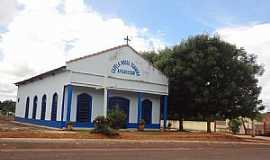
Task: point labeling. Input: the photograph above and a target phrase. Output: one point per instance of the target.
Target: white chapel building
(91, 86)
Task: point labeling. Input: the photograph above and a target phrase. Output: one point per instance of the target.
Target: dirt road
(32, 149)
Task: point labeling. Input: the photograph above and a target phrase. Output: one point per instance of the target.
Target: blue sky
(179, 19)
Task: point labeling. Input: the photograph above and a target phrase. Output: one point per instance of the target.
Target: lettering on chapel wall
(125, 67)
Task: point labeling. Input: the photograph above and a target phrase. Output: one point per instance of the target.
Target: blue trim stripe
(83, 125)
(59, 124)
(149, 126)
(54, 124)
(165, 108)
(69, 90)
(139, 101)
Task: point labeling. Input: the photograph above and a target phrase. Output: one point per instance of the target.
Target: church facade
(93, 85)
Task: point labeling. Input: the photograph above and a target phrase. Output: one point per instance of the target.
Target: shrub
(141, 125)
(69, 126)
(101, 125)
(117, 118)
(234, 125)
(100, 122)
(142, 122)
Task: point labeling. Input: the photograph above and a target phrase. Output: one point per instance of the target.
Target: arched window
(84, 107)
(43, 107)
(147, 111)
(27, 107)
(54, 107)
(34, 107)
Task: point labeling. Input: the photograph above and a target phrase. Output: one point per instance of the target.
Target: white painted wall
(48, 86)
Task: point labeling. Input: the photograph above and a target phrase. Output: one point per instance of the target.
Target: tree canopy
(210, 78)
(7, 106)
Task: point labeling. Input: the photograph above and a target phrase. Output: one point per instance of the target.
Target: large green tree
(210, 78)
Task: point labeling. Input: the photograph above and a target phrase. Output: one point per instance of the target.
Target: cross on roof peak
(127, 39)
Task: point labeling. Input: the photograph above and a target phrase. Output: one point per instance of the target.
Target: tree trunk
(181, 126)
(208, 126)
(244, 125)
(215, 126)
(253, 128)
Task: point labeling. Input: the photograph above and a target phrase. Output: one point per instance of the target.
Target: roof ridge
(97, 53)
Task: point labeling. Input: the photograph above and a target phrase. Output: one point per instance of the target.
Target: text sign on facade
(125, 67)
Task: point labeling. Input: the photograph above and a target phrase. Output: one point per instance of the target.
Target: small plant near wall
(234, 125)
(69, 126)
(117, 118)
(102, 125)
(141, 125)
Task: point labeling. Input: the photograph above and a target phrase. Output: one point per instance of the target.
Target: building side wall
(47, 86)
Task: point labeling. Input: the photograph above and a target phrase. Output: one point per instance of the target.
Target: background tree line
(209, 79)
(7, 106)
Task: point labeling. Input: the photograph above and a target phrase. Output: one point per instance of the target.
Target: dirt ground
(108, 149)
(10, 129)
(20, 142)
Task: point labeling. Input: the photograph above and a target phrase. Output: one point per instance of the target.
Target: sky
(39, 35)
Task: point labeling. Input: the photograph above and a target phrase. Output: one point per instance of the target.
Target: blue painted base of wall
(83, 125)
(150, 126)
(53, 124)
(60, 124)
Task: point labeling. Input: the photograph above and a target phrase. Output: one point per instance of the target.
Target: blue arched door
(34, 112)
(84, 108)
(27, 108)
(120, 103)
(147, 111)
(43, 107)
(54, 107)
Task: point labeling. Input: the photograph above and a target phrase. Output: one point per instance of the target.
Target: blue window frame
(122, 104)
(147, 111)
(27, 108)
(84, 107)
(34, 113)
(54, 107)
(43, 107)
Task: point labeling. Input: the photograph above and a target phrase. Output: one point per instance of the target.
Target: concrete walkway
(255, 138)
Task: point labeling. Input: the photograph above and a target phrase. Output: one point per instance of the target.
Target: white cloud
(8, 9)
(44, 34)
(255, 39)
